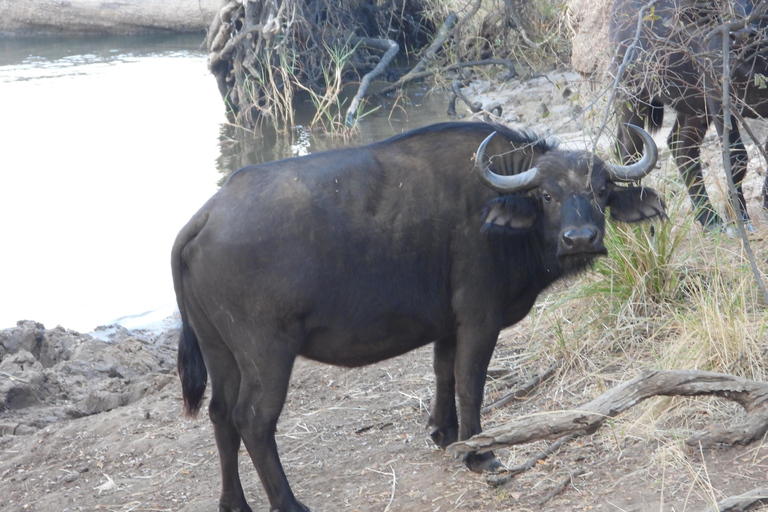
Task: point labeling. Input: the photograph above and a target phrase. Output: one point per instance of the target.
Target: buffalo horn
(634, 172)
(500, 183)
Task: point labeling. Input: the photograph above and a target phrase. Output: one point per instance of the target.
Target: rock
(590, 49)
(50, 375)
(21, 385)
(27, 335)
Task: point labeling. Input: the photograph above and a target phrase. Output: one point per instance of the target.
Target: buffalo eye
(547, 198)
(602, 193)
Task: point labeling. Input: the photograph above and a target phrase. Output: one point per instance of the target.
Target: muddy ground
(93, 422)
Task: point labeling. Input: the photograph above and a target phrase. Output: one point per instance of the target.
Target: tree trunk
(95, 17)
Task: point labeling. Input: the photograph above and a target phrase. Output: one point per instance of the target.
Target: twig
(560, 487)
(394, 484)
(391, 48)
(523, 390)
(497, 480)
(734, 26)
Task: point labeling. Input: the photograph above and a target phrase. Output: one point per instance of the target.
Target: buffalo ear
(508, 214)
(634, 204)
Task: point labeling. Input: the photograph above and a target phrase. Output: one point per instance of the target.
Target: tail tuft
(656, 118)
(192, 372)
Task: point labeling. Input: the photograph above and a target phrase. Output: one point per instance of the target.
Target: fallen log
(751, 395)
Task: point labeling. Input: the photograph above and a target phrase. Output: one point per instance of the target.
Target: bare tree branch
(391, 48)
(430, 53)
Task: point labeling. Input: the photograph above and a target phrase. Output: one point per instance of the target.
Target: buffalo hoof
(443, 437)
(299, 507)
(243, 507)
(710, 220)
(480, 462)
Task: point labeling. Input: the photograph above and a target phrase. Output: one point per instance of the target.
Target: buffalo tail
(191, 366)
(656, 117)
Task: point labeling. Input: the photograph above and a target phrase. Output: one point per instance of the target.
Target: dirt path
(353, 440)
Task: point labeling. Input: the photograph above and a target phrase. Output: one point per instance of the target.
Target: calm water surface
(109, 145)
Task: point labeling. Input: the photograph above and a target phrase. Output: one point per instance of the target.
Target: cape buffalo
(678, 61)
(356, 255)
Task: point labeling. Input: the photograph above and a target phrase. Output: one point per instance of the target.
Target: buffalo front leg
(473, 353)
(443, 415)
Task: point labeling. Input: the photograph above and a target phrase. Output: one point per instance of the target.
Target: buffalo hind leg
(225, 386)
(265, 369)
(443, 415)
(473, 353)
(224, 394)
(685, 143)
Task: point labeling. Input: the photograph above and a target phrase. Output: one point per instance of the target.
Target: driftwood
(743, 502)
(390, 48)
(751, 395)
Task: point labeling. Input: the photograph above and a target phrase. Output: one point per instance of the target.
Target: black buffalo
(678, 62)
(357, 255)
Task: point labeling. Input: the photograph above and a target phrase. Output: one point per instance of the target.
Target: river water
(109, 145)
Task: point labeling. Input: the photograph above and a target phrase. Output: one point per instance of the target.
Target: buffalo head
(564, 197)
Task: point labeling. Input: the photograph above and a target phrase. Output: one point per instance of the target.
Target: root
(263, 54)
(391, 48)
(429, 54)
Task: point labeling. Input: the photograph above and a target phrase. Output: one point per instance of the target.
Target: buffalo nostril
(575, 238)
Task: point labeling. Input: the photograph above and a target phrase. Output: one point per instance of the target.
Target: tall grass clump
(722, 324)
(667, 295)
